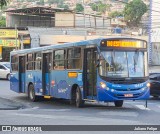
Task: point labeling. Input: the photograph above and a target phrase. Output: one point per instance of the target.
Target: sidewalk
(6, 104)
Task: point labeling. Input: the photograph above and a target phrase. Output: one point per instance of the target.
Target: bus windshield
(123, 64)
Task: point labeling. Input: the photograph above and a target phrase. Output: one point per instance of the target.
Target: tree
(99, 7)
(64, 6)
(94, 7)
(79, 7)
(115, 14)
(3, 3)
(2, 22)
(58, 2)
(134, 11)
(41, 2)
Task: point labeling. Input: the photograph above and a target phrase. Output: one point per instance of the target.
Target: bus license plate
(128, 95)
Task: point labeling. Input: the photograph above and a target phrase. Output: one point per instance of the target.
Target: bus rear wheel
(118, 103)
(31, 93)
(79, 101)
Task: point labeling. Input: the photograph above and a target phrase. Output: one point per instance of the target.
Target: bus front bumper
(113, 95)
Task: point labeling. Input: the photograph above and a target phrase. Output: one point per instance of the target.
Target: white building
(154, 36)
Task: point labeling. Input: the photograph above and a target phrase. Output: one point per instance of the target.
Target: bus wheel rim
(77, 97)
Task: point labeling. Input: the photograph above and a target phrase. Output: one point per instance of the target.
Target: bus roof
(56, 46)
(65, 45)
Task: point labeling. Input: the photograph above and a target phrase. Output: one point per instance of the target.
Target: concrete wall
(23, 20)
(64, 19)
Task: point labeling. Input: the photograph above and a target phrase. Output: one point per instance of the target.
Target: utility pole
(84, 19)
(16, 36)
(21, 41)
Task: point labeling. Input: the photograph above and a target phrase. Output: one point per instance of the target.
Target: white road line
(142, 107)
(118, 113)
(136, 102)
(35, 107)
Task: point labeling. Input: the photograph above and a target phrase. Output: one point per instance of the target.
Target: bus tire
(118, 103)
(79, 101)
(31, 93)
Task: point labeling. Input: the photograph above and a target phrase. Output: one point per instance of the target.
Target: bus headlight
(103, 85)
(148, 84)
(112, 90)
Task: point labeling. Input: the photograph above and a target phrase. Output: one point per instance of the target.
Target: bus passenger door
(46, 68)
(22, 71)
(90, 73)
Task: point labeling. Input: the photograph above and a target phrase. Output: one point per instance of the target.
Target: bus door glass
(22, 70)
(46, 69)
(89, 72)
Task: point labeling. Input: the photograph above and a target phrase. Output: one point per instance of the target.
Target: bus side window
(59, 60)
(74, 58)
(38, 61)
(14, 63)
(30, 62)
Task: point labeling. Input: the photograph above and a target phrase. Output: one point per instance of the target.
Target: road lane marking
(118, 113)
(142, 107)
(35, 107)
(139, 102)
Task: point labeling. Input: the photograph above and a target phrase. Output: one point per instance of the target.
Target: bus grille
(128, 89)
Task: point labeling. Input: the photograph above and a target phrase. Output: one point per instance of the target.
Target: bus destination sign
(124, 43)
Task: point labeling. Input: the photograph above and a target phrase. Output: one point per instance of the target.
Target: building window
(74, 58)
(59, 60)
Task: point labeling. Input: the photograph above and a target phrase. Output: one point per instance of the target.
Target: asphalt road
(60, 112)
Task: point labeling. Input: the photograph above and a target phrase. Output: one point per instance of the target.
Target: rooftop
(38, 11)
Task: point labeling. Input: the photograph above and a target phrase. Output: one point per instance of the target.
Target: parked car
(5, 70)
(155, 84)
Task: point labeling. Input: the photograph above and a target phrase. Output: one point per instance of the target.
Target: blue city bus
(103, 69)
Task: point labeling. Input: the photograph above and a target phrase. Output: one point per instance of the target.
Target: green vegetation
(41, 2)
(100, 7)
(64, 6)
(79, 8)
(115, 14)
(3, 3)
(134, 11)
(2, 22)
(58, 2)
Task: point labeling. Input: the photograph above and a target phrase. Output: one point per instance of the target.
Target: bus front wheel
(79, 101)
(31, 93)
(118, 103)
